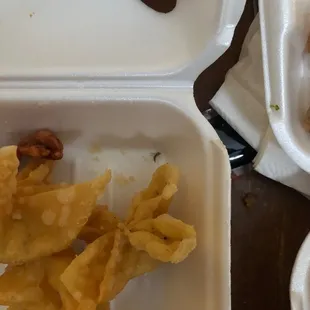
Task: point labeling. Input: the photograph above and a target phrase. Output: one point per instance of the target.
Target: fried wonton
(100, 272)
(164, 238)
(39, 219)
(100, 222)
(37, 285)
(156, 198)
(45, 223)
(121, 250)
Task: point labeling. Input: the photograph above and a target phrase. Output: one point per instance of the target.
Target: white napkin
(241, 102)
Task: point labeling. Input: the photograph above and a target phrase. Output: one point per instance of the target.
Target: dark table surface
(267, 235)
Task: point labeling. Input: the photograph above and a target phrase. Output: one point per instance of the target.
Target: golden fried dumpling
(156, 198)
(36, 172)
(42, 224)
(36, 285)
(83, 276)
(100, 222)
(8, 171)
(103, 269)
(163, 238)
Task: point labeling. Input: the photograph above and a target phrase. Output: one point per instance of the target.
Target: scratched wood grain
(265, 240)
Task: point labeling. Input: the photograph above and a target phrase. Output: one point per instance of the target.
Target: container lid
(299, 286)
(112, 39)
(285, 29)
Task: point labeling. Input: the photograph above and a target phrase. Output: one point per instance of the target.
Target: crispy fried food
(105, 306)
(164, 238)
(38, 189)
(41, 224)
(26, 170)
(54, 267)
(8, 171)
(156, 198)
(124, 264)
(119, 268)
(35, 172)
(126, 250)
(144, 264)
(37, 285)
(20, 284)
(103, 220)
(41, 144)
(34, 178)
(83, 276)
(100, 222)
(39, 219)
(100, 272)
(150, 229)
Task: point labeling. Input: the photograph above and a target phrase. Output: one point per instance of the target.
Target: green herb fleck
(275, 107)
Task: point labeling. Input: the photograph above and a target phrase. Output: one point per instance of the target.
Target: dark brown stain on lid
(161, 6)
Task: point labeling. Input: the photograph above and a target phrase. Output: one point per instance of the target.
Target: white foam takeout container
(285, 28)
(300, 278)
(115, 80)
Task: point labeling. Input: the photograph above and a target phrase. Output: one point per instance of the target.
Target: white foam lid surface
(300, 278)
(112, 38)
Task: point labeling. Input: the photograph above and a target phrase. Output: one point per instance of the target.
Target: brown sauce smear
(161, 6)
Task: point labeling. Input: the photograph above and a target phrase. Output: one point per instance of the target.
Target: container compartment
(104, 38)
(122, 134)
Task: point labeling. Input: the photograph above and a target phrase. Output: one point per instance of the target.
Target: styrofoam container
(300, 278)
(285, 26)
(115, 80)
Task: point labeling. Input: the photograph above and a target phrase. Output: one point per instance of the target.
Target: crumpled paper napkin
(241, 102)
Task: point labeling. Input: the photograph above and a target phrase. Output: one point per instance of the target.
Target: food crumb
(95, 148)
(249, 200)
(31, 14)
(121, 179)
(96, 158)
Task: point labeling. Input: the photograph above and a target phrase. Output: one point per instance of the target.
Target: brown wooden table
(266, 236)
